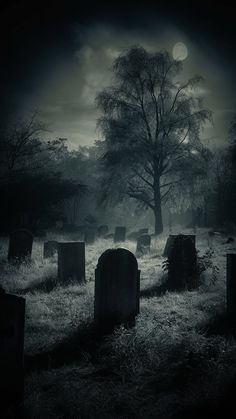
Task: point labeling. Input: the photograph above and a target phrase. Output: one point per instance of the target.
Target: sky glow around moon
(180, 51)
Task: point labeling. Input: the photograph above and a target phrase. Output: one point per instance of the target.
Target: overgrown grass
(165, 367)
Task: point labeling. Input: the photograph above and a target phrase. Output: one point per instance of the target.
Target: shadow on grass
(221, 324)
(85, 340)
(47, 285)
(154, 290)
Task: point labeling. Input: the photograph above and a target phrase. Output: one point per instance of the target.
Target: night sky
(56, 58)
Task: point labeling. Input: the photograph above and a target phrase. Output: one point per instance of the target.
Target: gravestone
(143, 231)
(20, 245)
(90, 235)
(102, 230)
(143, 245)
(231, 285)
(81, 232)
(49, 249)
(120, 233)
(71, 262)
(182, 264)
(12, 318)
(170, 242)
(117, 288)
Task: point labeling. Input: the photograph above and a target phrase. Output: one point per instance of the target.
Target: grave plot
(50, 249)
(231, 286)
(120, 234)
(117, 285)
(143, 245)
(12, 318)
(71, 262)
(20, 245)
(182, 264)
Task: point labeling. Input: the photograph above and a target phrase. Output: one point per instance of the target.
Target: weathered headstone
(231, 285)
(120, 233)
(20, 245)
(12, 318)
(71, 262)
(102, 230)
(90, 235)
(143, 245)
(49, 249)
(171, 240)
(143, 231)
(169, 243)
(182, 264)
(117, 288)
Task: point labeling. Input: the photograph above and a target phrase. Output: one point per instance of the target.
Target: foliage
(151, 127)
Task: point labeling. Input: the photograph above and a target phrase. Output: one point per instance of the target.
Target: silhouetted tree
(31, 183)
(150, 125)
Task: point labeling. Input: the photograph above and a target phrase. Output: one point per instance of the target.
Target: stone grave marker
(20, 245)
(117, 288)
(102, 230)
(143, 231)
(90, 235)
(182, 264)
(143, 245)
(49, 249)
(170, 242)
(81, 232)
(231, 285)
(12, 318)
(120, 234)
(71, 262)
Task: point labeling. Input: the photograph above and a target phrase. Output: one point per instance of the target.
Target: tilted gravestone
(20, 245)
(71, 262)
(102, 230)
(143, 245)
(49, 249)
(117, 288)
(170, 242)
(182, 264)
(12, 318)
(231, 285)
(120, 234)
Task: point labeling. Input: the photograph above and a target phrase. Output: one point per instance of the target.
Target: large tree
(150, 125)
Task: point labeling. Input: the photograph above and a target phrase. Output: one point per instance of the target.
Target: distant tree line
(149, 159)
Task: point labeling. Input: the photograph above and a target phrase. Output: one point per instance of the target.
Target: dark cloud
(59, 57)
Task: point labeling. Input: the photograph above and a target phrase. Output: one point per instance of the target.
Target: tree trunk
(157, 207)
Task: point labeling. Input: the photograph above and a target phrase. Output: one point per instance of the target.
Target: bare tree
(150, 126)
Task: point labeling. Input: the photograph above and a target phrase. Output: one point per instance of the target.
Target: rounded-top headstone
(116, 288)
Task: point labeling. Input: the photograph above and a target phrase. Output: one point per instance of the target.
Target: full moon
(180, 51)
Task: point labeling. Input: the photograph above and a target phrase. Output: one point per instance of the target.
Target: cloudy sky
(58, 58)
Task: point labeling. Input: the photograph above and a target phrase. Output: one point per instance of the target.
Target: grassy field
(179, 361)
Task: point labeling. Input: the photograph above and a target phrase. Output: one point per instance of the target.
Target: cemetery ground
(179, 361)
